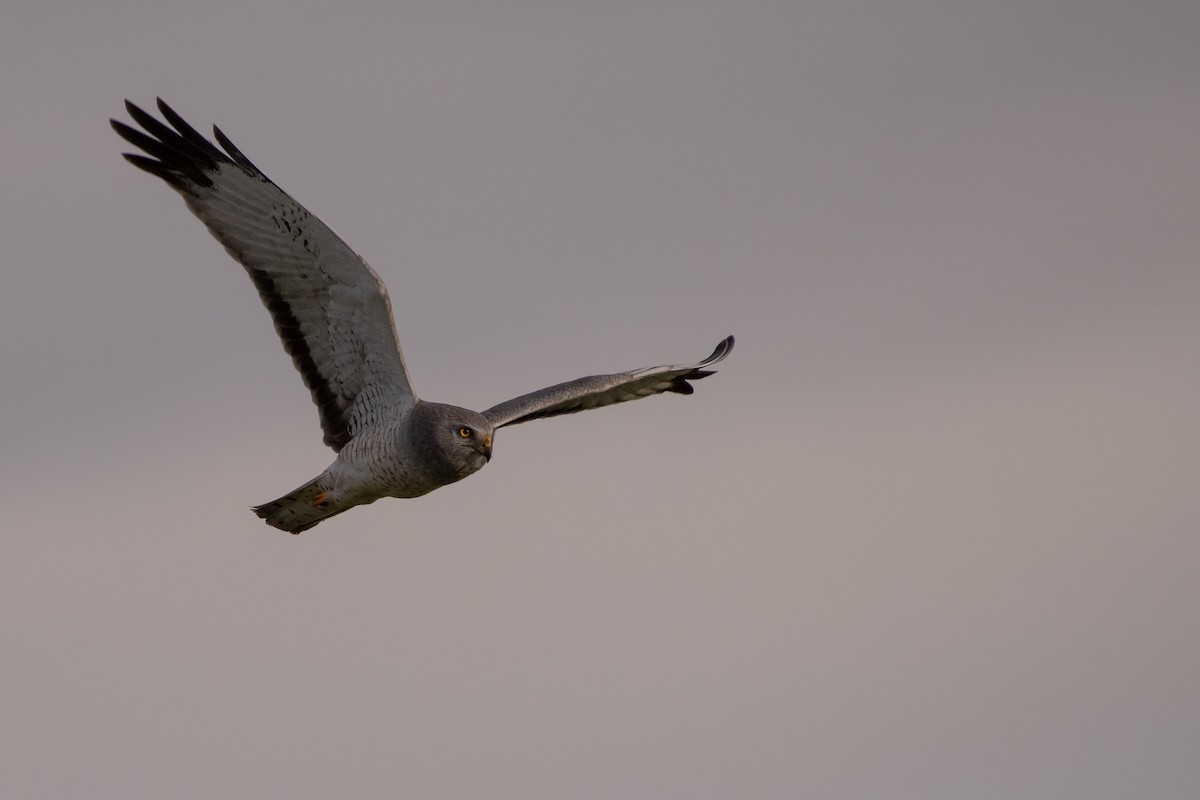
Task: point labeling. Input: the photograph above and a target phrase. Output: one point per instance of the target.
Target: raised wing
(595, 391)
(329, 307)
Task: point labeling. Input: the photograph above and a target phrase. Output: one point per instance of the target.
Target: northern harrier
(333, 314)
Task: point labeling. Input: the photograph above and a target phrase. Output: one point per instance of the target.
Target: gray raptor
(333, 314)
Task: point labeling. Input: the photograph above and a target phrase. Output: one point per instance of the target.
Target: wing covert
(330, 309)
(596, 391)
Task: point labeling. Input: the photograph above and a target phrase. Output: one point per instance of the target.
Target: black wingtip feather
(681, 386)
(179, 154)
(189, 133)
(724, 348)
(156, 168)
(234, 153)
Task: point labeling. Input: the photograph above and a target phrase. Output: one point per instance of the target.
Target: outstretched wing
(595, 391)
(329, 307)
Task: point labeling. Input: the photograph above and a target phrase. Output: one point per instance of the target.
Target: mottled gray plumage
(335, 320)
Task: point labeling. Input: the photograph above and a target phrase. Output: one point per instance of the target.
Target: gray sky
(930, 533)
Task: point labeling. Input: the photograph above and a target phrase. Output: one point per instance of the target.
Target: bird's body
(409, 456)
(333, 315)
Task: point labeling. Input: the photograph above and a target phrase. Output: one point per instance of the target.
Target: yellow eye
(464, 432)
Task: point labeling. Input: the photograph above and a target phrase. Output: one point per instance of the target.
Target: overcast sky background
(931, 532)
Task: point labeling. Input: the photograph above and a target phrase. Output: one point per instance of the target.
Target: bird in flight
(332, 312)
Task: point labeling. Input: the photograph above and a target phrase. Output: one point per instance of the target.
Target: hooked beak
(487, 447)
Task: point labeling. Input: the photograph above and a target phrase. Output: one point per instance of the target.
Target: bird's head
(472, 436)
(456, 441)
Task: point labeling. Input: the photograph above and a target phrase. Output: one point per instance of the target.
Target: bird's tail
(300, 510)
